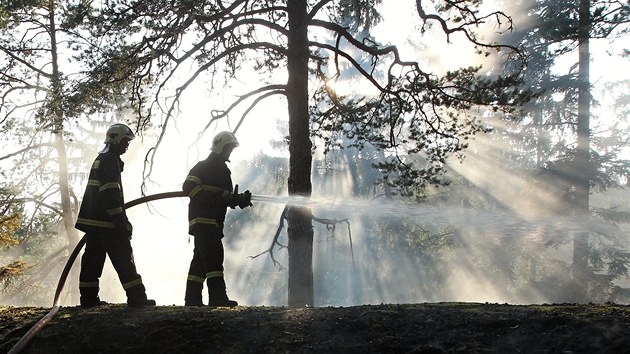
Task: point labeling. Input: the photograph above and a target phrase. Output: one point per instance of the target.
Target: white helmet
(221, 139)
(117, 132)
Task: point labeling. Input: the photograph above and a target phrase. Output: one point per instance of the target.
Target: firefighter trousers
(118, 248)
(207, 263)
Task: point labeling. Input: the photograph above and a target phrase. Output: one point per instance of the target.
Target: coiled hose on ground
(21, 344)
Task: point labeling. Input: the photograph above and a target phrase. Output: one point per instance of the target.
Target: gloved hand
(122, 226)
(231, 199)
(244, 199)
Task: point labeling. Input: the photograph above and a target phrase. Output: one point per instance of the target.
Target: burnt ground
(409, 328)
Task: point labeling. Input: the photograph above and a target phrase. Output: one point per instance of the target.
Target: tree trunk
(57, 116)
(582, 161)
(300, 227)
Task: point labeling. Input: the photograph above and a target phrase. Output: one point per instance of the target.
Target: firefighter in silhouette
(209, 186)
(108, 231)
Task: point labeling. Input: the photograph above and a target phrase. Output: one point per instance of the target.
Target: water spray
(287, 200)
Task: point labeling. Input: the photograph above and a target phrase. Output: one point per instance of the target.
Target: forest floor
(408, 328)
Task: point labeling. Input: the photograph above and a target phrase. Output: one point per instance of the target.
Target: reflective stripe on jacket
(103, 198)
(205, 183)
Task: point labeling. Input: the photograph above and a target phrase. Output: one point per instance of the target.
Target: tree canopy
(418, 116)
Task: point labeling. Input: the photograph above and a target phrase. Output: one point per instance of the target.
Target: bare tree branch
(31, 200)
(11, 53)
(28, 148)
(330, 226)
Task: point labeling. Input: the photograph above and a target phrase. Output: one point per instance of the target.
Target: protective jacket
(108, 232)
(103, 200)
(205, 183)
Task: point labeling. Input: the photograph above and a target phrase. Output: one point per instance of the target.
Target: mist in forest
(454, 248)
(493, 234)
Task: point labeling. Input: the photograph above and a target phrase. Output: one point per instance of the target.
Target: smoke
(495, 248)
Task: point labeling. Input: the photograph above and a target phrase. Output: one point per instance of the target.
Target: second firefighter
(209, 186)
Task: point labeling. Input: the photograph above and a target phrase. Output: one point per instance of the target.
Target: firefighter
(209, 186)
(107, 230)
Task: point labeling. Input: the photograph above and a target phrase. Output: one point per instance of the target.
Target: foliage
(32, 254)
(413, 113)
(12, 273)
(8, 225)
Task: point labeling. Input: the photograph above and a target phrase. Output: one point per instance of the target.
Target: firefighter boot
(137, 297)
(193, 293)
(89, 297)
(217, 294)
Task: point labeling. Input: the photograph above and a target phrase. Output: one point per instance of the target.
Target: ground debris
(408, 328)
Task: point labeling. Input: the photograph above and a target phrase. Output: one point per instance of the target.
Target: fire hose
(21, 344)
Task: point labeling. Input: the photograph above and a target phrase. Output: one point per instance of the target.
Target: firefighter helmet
(117, 132)
(221, 139)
